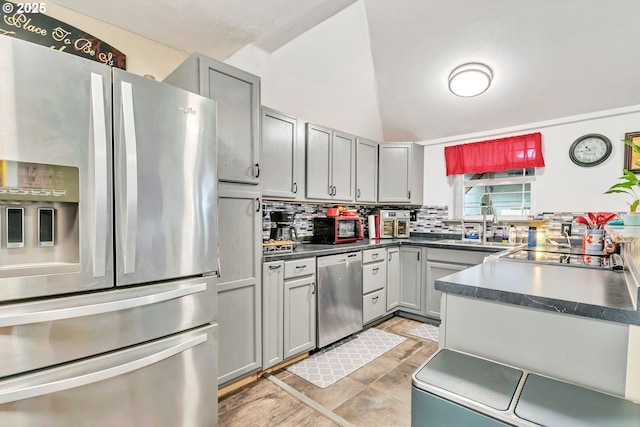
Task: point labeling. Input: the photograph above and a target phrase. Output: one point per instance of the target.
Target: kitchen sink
(478, 243)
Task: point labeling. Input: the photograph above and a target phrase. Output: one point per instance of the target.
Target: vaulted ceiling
(550, 58)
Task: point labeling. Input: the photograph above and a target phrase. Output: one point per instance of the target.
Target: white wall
(144, 56)
(561, 186)
(324, 76)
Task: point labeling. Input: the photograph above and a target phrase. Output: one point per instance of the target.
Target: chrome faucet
(484, 221)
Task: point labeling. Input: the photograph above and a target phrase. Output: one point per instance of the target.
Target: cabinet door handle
(331, 190)
(257, 170)
(358, 193)
(409, 193)
(300, 267)
(374, 256)
(418, 256)
(274, 267)
(375, 270)
(375, 299)
(313, 288)
(257, 204)
(295, 187)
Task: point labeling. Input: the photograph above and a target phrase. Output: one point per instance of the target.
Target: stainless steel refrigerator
(108, 246)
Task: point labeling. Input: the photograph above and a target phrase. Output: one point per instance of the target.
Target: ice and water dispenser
(38, 216)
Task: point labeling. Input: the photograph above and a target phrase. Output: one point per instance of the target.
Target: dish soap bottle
(513, 234)
(531, 241)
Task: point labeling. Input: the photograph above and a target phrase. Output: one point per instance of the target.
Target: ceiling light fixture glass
(470, 79)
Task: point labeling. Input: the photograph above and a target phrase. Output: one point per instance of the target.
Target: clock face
(590, 150)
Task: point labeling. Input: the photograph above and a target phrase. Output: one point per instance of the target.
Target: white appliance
(108, 273)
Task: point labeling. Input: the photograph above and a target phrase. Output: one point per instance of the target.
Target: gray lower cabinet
(374, 284)
(440, 263)
(330, 164)
(393, 279)
(237, 94)
(272, 313)
(299, 316)
(366, 171)
(279, 155)
(411, 259)
(435, 271)
(288, 309)
(239, 288)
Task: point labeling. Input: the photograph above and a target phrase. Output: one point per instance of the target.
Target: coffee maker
(282, 227)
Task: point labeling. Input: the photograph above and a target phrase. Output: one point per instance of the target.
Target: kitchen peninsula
(579, 325)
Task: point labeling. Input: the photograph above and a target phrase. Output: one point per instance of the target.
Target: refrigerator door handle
(130, 217)
(43, 316)
(100, 176)
(100, 375)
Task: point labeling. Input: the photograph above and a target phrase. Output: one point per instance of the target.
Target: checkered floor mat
(426, 331)
(339, 360)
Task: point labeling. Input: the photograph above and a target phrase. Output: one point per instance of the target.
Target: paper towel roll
(371, 219)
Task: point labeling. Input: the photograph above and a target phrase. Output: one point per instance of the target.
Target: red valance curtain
(515, 152)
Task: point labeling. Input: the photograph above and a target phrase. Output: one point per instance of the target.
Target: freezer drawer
(39, 334)
(169, 382)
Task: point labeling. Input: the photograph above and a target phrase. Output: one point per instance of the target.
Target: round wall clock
(590, 150)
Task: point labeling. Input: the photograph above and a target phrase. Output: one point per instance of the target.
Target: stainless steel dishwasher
(339, 296)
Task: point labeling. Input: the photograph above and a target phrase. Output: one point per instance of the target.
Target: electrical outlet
(566, 229)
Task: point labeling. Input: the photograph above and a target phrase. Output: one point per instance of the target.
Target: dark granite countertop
(304, 250)
(594, 293)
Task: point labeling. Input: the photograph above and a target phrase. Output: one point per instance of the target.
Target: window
(509, 192)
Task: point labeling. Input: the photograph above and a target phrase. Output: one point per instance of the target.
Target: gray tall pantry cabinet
(237, 94)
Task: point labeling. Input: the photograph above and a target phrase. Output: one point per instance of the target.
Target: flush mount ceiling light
(470, 79)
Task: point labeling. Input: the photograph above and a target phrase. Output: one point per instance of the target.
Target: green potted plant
(629, 185)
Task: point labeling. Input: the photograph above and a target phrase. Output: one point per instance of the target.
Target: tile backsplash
(424, 219)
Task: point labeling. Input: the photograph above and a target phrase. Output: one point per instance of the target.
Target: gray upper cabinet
(330, 164)
(395, 172)
(238, 96)
(343, 160)
(366, 171)
(318, 162)
(279, 155)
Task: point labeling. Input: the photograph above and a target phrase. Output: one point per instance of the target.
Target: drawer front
(374, 306)
(457, 256)
(374, 277)
(299, 267)
(373, 255)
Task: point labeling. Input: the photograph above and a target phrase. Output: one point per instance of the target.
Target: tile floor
(378, 394)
